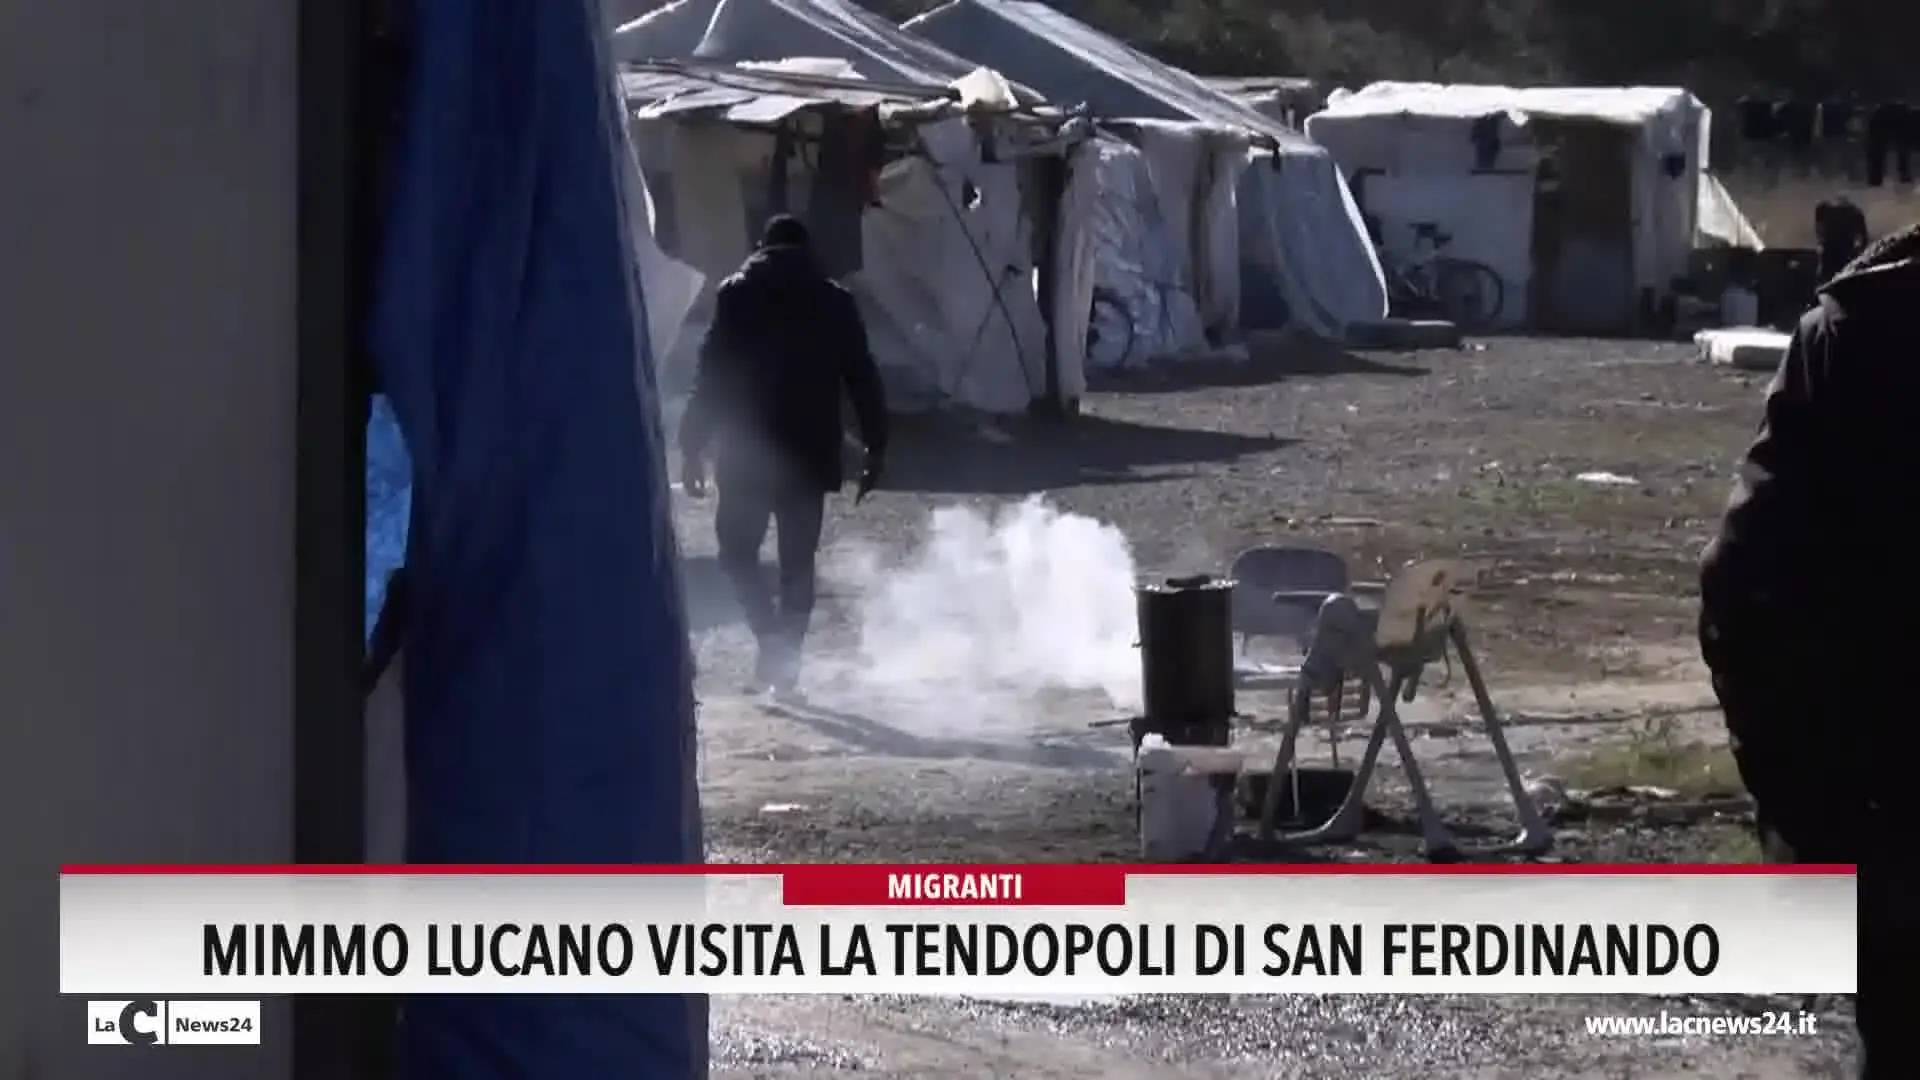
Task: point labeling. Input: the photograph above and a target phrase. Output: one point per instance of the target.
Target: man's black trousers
(777, 612)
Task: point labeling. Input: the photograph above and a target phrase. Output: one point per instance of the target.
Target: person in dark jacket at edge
(1810, 608)
(784, 343)
(1840, 235)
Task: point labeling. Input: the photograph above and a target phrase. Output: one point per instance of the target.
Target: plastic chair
(1414, 622)
(1260, 572)
(1265, 578)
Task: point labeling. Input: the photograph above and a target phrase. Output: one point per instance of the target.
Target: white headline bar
(255, 934)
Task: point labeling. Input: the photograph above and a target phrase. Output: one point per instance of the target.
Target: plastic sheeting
(670, 32)
(1193, 168)
(947, 289)
(1160, 288)
(548, 685)
(777, 29)
(1073, 63)
(1721, 222)
(1300, 233)
(1634, 106)
(1142, 305)
(389, 494)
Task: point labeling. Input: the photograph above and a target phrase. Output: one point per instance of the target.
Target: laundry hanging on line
(1893, 130)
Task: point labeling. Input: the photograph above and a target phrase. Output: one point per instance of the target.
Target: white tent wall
(949, 292)
(1490, 218)
(1195, 168)
(1408, 149)
(1305, 234)
(669, 286)
(1164, 241)
(947, 288)
(147, 404)
(1298, 220)
(1139, 300)
(1079, 236)
(947, 284)
(1721, 223)
(1413, 168)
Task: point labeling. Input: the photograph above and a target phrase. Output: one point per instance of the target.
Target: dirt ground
(1581, 476)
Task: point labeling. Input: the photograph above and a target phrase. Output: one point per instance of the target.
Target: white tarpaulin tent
(1157, 294)
(947, 277)
(1164, 279)
(1585, 201)
(1301, 240)
(1721, 222)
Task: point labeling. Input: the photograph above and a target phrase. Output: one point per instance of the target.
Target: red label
(954, 886)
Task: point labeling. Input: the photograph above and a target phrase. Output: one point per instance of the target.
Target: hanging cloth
(1485, 134)
(843, 186)
(548, 690)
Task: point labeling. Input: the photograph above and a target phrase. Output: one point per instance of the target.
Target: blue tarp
(549, 685)
(389, 487)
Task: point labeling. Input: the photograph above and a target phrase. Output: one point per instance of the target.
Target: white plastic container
(1186, 799)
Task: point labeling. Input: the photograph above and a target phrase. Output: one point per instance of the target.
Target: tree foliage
(1718, 48)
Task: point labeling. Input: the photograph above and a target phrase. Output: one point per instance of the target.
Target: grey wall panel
(147, 389)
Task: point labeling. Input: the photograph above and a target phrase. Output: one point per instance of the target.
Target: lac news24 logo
(173, 1023)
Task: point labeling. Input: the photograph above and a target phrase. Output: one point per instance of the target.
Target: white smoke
(993, 615)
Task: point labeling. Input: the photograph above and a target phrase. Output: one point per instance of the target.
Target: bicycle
(1431, 283)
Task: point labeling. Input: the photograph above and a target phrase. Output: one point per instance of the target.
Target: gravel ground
(1583, 622)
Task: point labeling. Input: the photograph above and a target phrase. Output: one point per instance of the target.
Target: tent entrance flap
(1583, 227)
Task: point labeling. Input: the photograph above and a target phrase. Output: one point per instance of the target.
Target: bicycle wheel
(1408, 297)
(1472, 292)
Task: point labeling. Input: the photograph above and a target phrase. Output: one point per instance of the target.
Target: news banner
(186, 932)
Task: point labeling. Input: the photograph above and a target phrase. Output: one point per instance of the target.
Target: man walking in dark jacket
(1810, 605)
(785, 342)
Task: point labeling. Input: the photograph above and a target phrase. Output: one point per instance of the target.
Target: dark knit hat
(785, 230)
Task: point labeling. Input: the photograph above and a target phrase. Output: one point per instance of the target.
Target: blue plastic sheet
(548, 681)
(389, 489)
